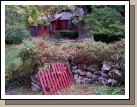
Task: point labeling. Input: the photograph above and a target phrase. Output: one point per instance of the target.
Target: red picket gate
(54, 79)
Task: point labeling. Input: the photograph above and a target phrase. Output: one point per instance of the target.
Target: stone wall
(106, 74)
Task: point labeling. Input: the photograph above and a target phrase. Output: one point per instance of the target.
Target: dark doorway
(32, 30)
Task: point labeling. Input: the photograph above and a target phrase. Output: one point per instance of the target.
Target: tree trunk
(83, 33)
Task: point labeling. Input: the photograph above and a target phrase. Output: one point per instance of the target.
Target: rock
(97, 72)
(74, 67)
(88, 74)
(84, 67)
(103, 81)
(86, 81)
(93, 68)
(106, 66)
(36, 76)
(34, 89)
(81, 72)
(73, 60)
(122, 67)
(76, 76)
(77, 81)
(35, 80)
(105, 75)
(79, 66)
(37, 87)
(95, 77)
(75, 71)
(73, 64)
(116, 74)
(112, 82)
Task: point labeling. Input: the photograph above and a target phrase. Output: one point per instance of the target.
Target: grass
(105, 90)
(11, 53)
(79, 89)
(12, 61)
(74, 89)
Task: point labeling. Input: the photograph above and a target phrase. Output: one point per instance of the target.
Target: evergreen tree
(100, 19)
(105, 20)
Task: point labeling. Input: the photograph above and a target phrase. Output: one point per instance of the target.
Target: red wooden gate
(54, 79)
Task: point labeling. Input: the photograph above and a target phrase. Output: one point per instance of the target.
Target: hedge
(66, 34)
(107, 39)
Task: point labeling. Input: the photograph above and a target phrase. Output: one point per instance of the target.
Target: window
(45, 27)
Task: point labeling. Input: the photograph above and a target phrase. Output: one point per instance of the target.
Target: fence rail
(54, 79)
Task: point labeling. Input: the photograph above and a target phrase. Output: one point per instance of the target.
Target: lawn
(11, 53)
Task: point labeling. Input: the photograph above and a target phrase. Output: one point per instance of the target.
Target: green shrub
(12, 69)
(66, 34)
(35, 52)
(16, 35)
(66, 45)
(108, 39)
(88, 50)
(13, 83)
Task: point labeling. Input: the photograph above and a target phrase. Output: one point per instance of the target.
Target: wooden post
(69, 70)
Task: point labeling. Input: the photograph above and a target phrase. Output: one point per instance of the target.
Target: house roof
(64, 15)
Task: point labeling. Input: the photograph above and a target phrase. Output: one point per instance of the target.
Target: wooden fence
(55, 79)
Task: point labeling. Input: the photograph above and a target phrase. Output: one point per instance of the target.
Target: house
(58, 22)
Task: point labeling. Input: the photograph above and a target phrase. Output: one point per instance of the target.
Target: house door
(32, 30)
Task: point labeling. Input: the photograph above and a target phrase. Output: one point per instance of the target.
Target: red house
(59, 22)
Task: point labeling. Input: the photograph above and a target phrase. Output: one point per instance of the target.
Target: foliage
(13, 17)
(46, 22)
(16, 35)
(35, 52)
(105, 90)
(12, 61)
(66, 45)
(66, 34)
(87, 50)
(56, 34)
(105, 21)
(12, 84)
(52, 9)
(31, 15)
(15, 29)
(108, 39)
